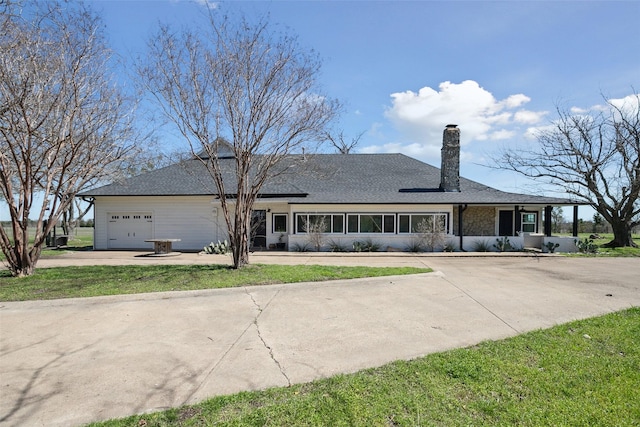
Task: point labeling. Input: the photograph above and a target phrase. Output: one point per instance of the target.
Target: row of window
(364, 223)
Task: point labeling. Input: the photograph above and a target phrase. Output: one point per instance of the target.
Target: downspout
(461, 209)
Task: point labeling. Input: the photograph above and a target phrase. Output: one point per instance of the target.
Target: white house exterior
(387, 199)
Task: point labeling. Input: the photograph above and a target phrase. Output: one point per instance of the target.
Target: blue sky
(405, 69)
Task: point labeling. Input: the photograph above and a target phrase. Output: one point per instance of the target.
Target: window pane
(530, 218)
(301, 223)
(352, 223)
(403, 223)
(441, 223)
(338, 224)
(279, 223)
(422, 223)
(371, 223)
(389, 224)
(318, 224)
(529, 228)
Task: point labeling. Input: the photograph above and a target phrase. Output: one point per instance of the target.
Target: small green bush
(502, 245)
(415, 246)
(219, 248)
(301, 247)
(481, 246)
(449, 247)
(586, 246)
(551, 246)
(366, 245)
(337, 247)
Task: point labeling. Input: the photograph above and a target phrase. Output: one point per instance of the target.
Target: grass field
(81, 240)
(584, 373)
(89, 281)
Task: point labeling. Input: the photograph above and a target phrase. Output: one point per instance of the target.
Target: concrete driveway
(70, 362)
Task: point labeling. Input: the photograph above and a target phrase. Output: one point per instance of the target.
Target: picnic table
(162, 246)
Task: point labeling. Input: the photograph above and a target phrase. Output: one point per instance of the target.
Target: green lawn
(82, 240)
(89, 281)
(609, 252)
(585, 373)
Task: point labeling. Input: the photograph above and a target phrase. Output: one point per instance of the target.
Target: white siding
(196, 220)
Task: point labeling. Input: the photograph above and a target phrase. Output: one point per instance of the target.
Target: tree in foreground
(594, 156)
(245, 84)
(64, 124)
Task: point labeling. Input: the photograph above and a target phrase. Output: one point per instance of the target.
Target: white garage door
(129, 230)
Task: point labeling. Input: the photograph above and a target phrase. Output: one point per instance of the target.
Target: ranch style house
(388, 199)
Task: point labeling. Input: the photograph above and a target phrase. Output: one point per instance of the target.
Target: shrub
(586, 246)
(551, 246)
(449, 247)
(219, 248)
(481, 246)
(337, 247)
(367, 245)
(502, 245)
(301, 247)
(415, 246)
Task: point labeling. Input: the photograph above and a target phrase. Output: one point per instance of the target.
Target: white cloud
(421, 117)
(529, 117)
(515, 101)
(629, 103)
(501, 134)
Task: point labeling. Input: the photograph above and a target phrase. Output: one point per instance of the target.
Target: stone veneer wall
(477, 220)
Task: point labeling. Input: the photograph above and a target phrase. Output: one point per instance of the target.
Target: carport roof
(327, 179)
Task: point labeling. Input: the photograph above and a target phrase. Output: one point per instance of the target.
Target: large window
(319, 223)
(279, 223)
(529, 222)
(423, 223)
(371, 223)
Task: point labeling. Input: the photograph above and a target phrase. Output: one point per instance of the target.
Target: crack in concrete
(493, 313)
(264, 342)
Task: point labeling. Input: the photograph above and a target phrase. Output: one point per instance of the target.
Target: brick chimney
(450, 170)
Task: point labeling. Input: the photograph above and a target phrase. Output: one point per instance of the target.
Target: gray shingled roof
(328, 179)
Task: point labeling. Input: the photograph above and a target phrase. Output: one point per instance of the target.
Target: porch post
(547, 220)
(518, 220)
(575, 221)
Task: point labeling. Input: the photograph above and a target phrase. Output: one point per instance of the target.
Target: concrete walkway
(70, 362)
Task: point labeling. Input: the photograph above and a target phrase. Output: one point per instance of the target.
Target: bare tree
(430, 233)
(245, 84)
(340, 142)
(316, 227)
(63, 122)
(593, 156)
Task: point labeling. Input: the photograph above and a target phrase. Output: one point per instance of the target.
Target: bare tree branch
(593, 156)
(339, 141)
(245, 84)
(63, 123)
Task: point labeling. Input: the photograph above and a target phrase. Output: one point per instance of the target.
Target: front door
(505, 223)
(258, 237)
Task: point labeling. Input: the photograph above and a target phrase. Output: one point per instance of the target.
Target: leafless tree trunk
(244, 84)
(63, 122)
(593, 156)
